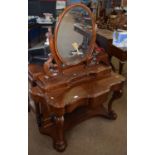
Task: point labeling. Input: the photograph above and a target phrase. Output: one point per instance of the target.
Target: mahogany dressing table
(75, 82)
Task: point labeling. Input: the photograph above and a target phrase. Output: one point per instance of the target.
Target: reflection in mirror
(74, 36)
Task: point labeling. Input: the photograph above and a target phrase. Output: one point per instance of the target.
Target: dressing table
(75, 82)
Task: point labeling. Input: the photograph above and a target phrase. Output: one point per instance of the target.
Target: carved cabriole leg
(59, 142)
(111, 114)
(38, 114)
(110, 61)
(121, 67)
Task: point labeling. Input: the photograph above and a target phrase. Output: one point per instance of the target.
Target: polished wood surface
(117, 52)
(63, 97)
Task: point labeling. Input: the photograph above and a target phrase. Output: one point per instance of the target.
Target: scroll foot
(110, 113)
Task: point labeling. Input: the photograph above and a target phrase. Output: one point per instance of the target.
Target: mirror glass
(74, 36)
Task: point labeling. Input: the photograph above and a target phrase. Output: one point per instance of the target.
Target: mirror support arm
(48, 63)
(54, 56)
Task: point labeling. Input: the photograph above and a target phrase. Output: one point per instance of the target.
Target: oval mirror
(75, 35)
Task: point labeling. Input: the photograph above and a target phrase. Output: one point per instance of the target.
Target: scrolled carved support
(38, 115)
(59, 142)
(111, 114)
(47, 66)
(53, 52)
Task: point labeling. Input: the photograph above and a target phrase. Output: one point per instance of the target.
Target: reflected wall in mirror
(74, 35)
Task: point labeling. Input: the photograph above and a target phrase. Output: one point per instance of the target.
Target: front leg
(121, 67)
(38, 114)
(59, 142)
(110, 60)
(111, 114)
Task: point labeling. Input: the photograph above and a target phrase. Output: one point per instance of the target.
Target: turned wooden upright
(68, 92)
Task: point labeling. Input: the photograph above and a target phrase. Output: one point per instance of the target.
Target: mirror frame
(93, 39)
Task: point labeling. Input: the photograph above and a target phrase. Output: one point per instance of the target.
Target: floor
(96, 136)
